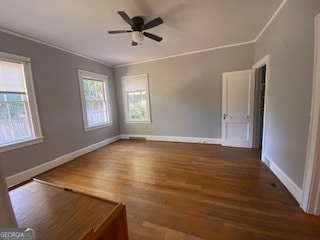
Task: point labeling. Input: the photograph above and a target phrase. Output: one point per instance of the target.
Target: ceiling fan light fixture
(137, 37)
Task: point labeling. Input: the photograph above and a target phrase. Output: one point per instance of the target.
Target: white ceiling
(189, 25)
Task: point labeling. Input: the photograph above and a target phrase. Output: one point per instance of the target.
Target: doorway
(260, 126)
(259, 102)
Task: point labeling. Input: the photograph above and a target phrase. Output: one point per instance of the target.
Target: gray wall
(290, 41)
(185, 92)
(58, 97)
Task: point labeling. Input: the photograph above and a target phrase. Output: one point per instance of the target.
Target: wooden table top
(56, 213)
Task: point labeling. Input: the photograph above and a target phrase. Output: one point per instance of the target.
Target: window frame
(126, 100)
(87, 75)
(31, 104)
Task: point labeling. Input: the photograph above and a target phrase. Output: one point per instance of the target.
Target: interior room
(141, 119)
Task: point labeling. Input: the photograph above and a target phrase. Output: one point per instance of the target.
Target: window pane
(96, 113)
(99, 91)
(90, 119)
(95, 107)
(6, 135)
(2, 97)
(13, 97)
(136, 96)
(4, 114)
(133, 96)
(86, 89)
(89, 90)
(89, 107)
(143, 94)
(138, 110)
(96, 118)
(101, 116)
(101, 106)
(17, 111)
(14, 125)
(104, 116)
(21, 129)
(100, 96)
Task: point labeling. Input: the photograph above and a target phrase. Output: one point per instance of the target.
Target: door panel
(237, 108)
(237, 130)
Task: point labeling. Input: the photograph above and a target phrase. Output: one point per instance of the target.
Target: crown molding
(51, 45)
(187, 53)
(270, 21)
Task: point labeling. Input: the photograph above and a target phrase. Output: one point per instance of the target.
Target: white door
(237, 108)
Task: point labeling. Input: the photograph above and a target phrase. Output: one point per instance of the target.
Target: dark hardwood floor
(180, 191)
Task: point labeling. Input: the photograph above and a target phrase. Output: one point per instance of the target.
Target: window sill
(144, 122)
(87, 129)
(21, 144)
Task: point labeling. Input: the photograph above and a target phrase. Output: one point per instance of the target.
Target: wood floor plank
(189, 191)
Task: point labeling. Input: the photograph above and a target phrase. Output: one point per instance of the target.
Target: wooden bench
(57, 213)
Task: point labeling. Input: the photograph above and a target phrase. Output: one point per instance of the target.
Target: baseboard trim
(287, 181)
(30, 173)
(174, 139)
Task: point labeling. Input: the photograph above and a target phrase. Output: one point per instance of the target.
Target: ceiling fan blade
(153, 23)
(152, 36)
(119, 31)
(125, 17)
(134, 43)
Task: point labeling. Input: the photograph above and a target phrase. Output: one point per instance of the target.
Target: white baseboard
(174, 139)
(287, 182)
(30, 173)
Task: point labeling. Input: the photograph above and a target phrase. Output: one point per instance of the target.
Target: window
(95, 100)
(19, 121)
(136, 98)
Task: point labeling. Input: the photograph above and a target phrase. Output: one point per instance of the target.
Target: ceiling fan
(138, 27)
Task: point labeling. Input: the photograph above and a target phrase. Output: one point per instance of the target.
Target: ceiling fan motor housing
(138, 22)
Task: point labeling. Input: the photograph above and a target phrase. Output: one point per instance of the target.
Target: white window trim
(99, 77)
(125, 102)
(33, 108)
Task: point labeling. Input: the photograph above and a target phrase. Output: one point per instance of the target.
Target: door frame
(264, 61)
(310, 202)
